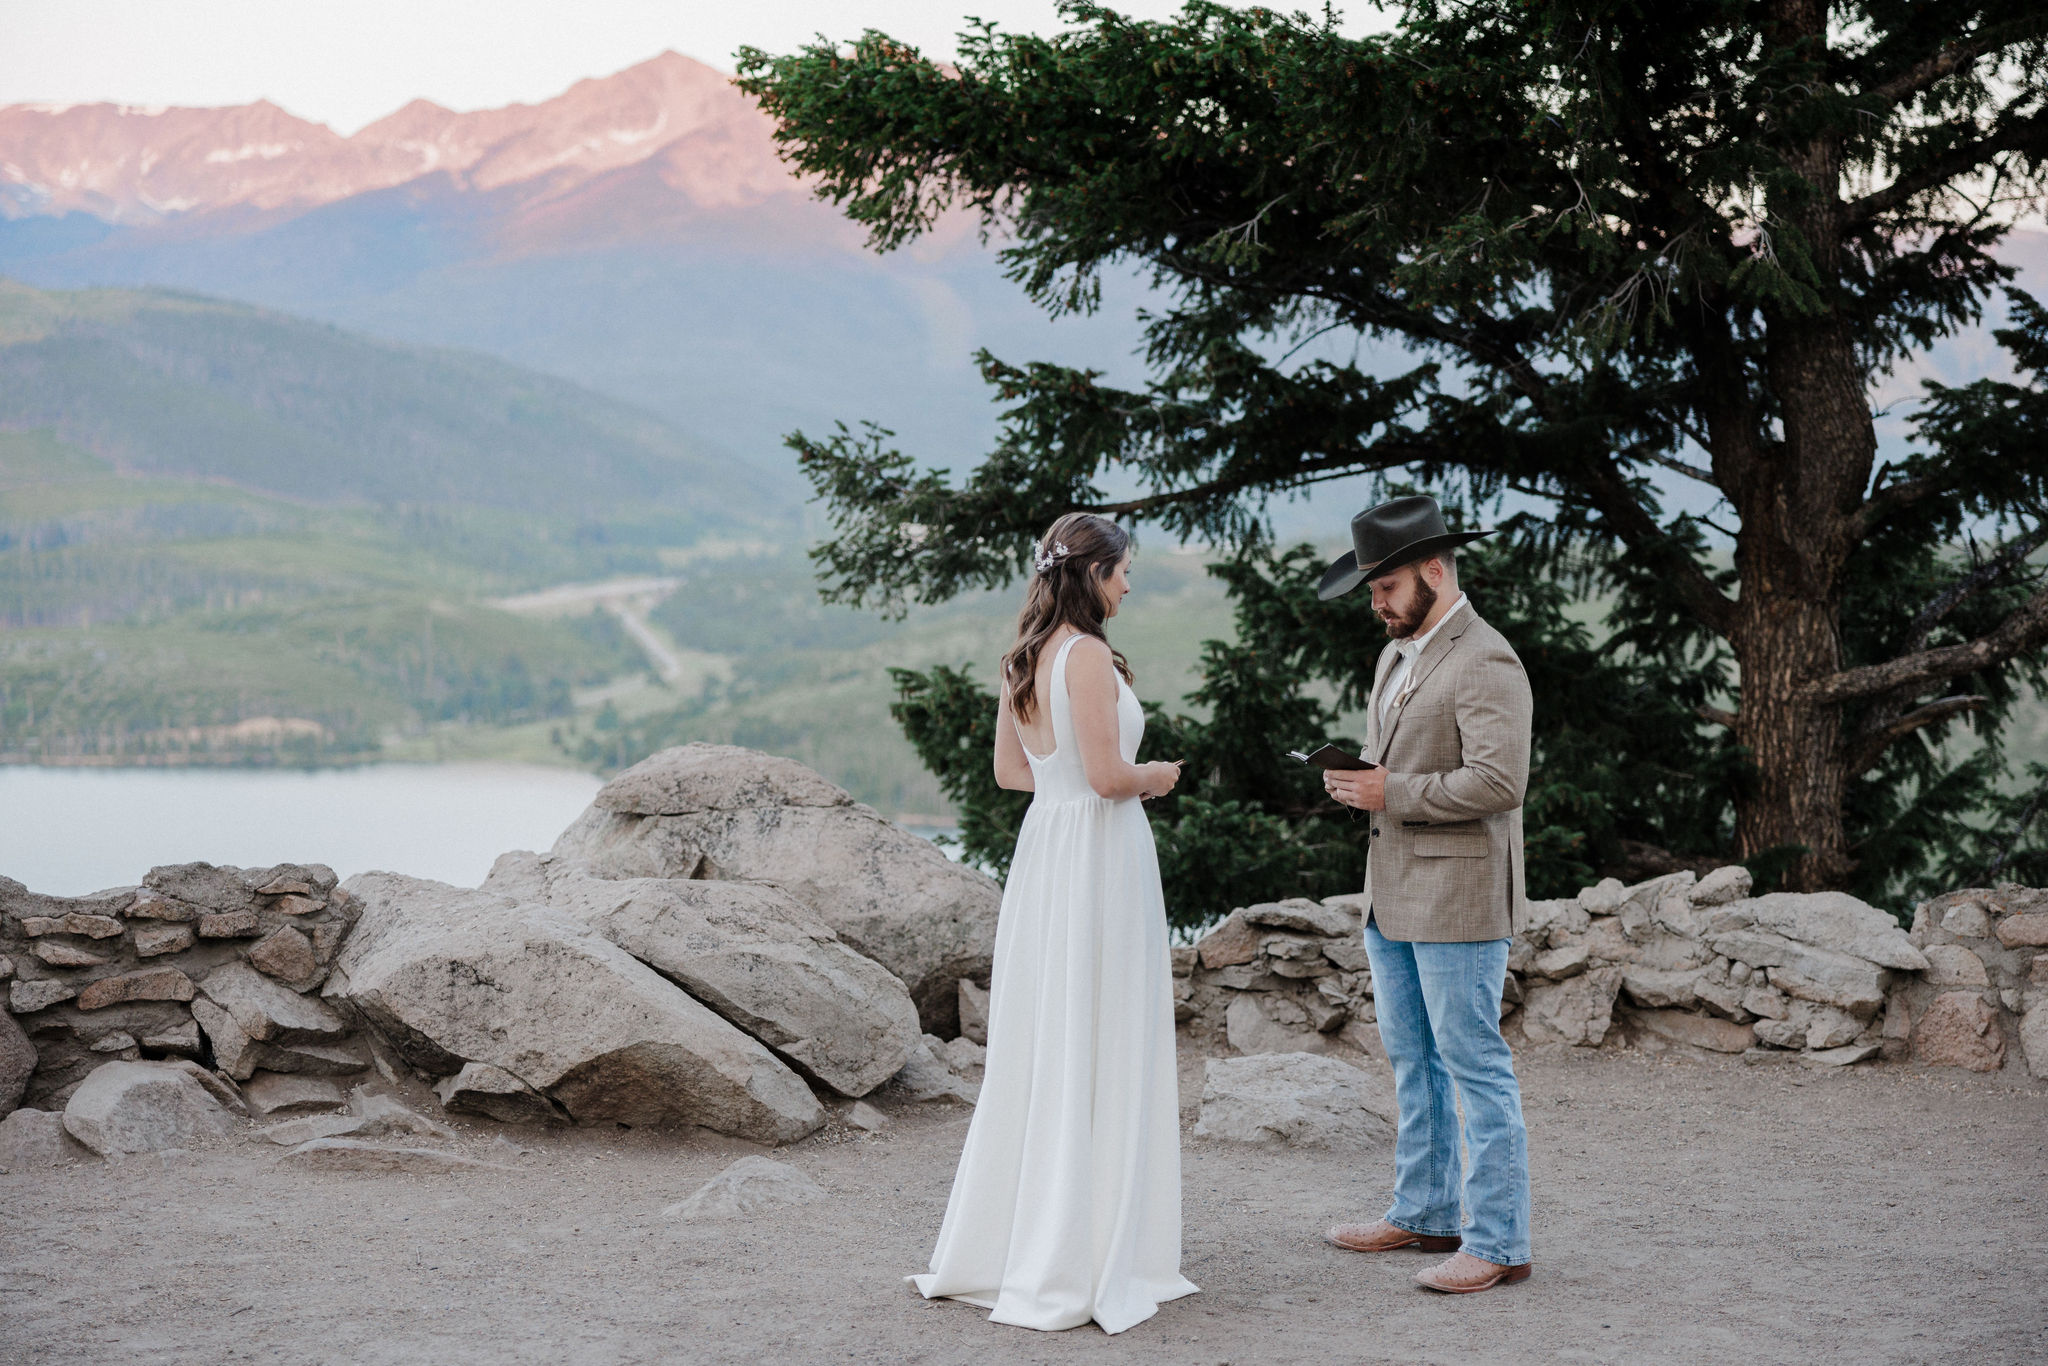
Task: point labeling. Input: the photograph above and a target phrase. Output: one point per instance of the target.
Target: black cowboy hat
(1387, 537)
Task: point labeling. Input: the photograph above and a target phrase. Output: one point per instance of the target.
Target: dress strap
(1058, 704)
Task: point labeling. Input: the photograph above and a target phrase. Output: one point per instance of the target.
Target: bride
(1066, 1205)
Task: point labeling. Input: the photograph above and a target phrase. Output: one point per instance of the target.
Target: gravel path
(1686, 1208)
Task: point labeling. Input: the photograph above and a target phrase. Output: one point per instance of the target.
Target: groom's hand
(1365, 789)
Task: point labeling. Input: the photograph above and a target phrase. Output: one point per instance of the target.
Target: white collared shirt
(1408, 650)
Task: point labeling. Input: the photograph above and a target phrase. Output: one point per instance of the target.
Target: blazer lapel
(1425, 664)
(1372, 706)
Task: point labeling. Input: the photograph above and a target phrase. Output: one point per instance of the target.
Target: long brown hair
(1071, 561)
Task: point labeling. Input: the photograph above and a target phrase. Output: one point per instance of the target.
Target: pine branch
(1638, 530)
(2025, 629)
(1718, 716)
(1870, 746)
(2030, 135)
(1955, 57)
(1984, 575)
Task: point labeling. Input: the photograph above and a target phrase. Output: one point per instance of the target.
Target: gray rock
(1831, 920)
(1952, 965)
(269, 1011)
(356, 1155)
(866, 1118)
(72, 922)
(749, 817)
(966, 1057)
(116, 1042)
(750, 1186)
(1557, 964)
(751, 953)
(1661, 990)
(202, 884)
(153, 940)
(2034, 1035)
(927, 1077)
(482, 1089)
(288, 956)
(17, 1063)
(141, 1107)
(1602, 899)
(1579, 1011)
(973, 1011)
(181, 1039)
(383, 1116)
(27, 997)
(1250, 1026)
(1854, 984)
(1844, 1056)
(219, 1087)
(1299, 913)
(1550, 923)
(695, 778)
(278, 1093)
(1829, 1027)
(61, 955)
(1700, 1031)
(1731, 883)
(30, 1139)
(451, 976)
(1348, 954)
(161, 983)
(232, 1049)
(1295, 1099)
(291, 1133)
(1967, 920)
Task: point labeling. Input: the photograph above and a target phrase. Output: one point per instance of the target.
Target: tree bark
(1799, 506)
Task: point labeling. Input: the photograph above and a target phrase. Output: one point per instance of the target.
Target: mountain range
(636, 234)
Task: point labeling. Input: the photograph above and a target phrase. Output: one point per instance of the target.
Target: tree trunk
(1797, 500)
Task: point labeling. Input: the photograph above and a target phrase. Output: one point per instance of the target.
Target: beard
(1407, 624)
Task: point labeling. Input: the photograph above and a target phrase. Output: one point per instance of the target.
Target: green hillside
(229, 535)
(166, 384)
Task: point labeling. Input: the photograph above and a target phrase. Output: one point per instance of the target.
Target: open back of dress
(1066, 1205)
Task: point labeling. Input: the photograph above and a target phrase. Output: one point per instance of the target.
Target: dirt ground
(1688, 1208)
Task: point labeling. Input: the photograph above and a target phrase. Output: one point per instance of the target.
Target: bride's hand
(1162, 774)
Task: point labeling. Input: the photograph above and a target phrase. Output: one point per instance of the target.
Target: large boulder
(1829, 920)
(1827, 976)
(1295, 1099)
(722, 813)
(751, 953)
(452, 976)
(144, 1107)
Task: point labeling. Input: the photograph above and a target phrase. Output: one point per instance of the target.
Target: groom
(1449, 725)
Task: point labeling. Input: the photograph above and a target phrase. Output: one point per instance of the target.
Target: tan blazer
(1446, 858)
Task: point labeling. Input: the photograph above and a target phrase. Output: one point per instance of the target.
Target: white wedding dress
(1066, 1205)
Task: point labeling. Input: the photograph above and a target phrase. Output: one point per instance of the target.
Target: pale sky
(347, 62)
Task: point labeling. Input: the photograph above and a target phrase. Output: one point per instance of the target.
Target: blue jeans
(1439, 1016)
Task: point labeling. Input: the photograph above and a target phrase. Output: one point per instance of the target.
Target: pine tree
(1621, 243)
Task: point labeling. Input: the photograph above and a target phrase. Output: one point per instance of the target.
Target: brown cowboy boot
(1465, 1274)
(1381, 1236)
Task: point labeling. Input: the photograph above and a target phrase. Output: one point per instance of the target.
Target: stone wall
(198, 962)
(1674, 960)
(724, 940)
(1982, 1003)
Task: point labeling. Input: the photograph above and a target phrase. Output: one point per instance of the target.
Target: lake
(74, 830)
(68, 831)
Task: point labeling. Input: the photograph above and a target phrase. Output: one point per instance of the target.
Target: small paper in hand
(1329, 756)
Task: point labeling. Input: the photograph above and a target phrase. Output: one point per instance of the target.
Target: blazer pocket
(1440, 844)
